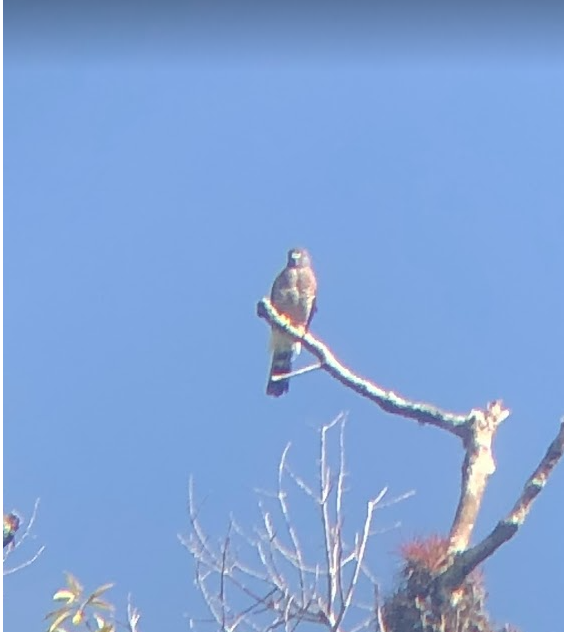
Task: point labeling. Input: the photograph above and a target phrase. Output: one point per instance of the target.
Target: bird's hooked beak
(295, 257)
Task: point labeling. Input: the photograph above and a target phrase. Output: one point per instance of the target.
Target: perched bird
(293, 295)
(11, 525)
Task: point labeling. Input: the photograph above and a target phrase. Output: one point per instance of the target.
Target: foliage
(87, 612)
(415, 607)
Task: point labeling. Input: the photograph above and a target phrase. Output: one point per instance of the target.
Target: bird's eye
(296, 255)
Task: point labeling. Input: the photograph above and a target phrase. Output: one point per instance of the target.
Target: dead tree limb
(468, 560)
(133, 616)
(477, 467)
(387, 400)
(476, 429)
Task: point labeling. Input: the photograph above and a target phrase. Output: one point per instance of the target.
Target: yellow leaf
(62, 617)
(56, 613)
(78, 617)
(66, 595)
(74, 585)
(100, 590)
(104, 605)
(99, 622)
(103, 626)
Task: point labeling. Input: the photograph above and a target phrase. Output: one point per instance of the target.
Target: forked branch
(468, 560)
(476, 429)
(18, 542)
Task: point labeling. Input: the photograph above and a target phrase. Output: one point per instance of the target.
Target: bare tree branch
(133, 616)
(17, 543)
(324, 491)
(29, 562)
(478, 466)
(282, 590)
(476, 429)
(387, 400)
(468, 560)
(287, 376)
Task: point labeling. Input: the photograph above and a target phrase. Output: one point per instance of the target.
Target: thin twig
(222, 595)
(24, 564)
(303, 486)
(325, 488)
(292, 532)
(286, 376)
(362, 546)
(20, 540)
(283, 590)
(339, 566)
(133, 615)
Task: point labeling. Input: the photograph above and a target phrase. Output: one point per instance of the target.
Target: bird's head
(298, 258)
(11, 521)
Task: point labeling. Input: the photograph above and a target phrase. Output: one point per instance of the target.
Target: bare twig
(359, 557)
(20, 540)
(29, 562)
(339, 512)
(298, 555)
(283, 590)
(222, 596)
(287, 376)
(133, 616)
(324, 491)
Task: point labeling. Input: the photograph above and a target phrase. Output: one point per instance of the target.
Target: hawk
(293, 295)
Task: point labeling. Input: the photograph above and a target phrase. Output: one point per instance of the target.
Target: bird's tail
(283, 350)
(281, 364)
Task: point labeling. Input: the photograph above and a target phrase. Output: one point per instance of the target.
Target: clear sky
(151, 194)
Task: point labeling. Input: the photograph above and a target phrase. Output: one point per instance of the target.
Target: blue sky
(149, 203)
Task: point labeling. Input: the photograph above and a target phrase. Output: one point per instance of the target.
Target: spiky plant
(414, 607)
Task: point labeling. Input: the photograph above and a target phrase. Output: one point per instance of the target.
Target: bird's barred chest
(294, 294)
